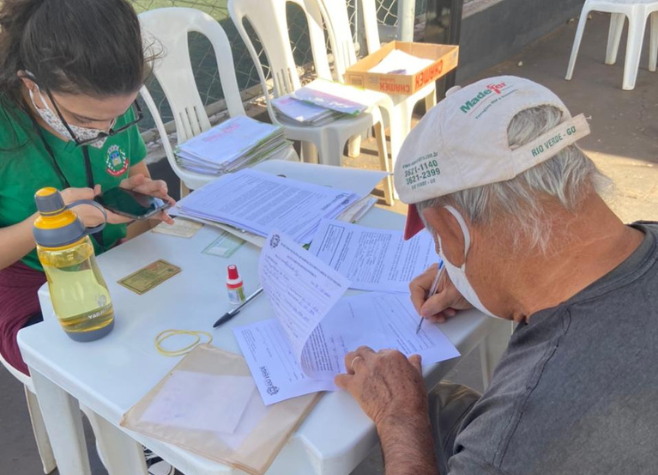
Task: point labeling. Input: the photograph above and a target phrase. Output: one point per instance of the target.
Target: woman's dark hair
(91, 47)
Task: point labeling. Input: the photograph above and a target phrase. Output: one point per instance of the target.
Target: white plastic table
(112, 374)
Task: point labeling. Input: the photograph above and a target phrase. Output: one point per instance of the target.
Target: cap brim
(414, 224)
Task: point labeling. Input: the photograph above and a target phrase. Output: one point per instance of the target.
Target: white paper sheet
(399, 62)
(277, 372)
(355, 180)
(253, 415)
(299, 286)
(380, 321)
(371, 258)
(201, 401)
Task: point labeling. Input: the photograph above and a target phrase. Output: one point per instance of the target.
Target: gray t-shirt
(576, 392)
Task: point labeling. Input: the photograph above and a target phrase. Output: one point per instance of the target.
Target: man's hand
(384, 383)
(390, 390)
(157, 188)
(442, 305)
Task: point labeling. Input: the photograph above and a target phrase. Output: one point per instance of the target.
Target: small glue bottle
(234, 286)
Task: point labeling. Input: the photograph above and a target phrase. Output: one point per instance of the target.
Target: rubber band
(162, 336)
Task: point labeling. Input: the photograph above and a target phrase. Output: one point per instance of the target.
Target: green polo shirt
(26, 166)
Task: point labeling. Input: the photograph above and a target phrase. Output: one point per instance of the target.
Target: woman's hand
(88, 214)
(146, 186)
(439, 307)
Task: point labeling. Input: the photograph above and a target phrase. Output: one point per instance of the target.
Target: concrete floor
(624, 138)
(623, 144)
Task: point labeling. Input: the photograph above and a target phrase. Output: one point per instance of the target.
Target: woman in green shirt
(70, 71)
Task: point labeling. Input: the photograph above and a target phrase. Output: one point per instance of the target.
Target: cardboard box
(445, 59)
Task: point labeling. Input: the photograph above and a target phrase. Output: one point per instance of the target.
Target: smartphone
(131, 204)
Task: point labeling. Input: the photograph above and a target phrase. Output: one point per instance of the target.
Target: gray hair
(567, 177)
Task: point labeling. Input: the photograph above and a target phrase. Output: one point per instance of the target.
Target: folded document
(303, 347)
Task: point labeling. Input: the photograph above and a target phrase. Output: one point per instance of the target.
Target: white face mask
(458, 274)
(53, 120)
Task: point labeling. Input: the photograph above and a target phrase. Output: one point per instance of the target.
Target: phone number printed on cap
(422, 171)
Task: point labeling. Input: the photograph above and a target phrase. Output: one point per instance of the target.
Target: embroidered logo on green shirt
(117, 162)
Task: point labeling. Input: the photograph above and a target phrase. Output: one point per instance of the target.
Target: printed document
(259, 203)
(301, 350)
(301, 288)
(373, 259)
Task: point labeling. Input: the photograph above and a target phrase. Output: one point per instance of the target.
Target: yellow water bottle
(77, 289)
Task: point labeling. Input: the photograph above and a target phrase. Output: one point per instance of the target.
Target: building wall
(503, 29)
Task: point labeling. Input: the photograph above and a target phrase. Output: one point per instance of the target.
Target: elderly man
(494, 173)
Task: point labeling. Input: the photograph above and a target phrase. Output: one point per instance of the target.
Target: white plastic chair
(268, 19)
(103, 431)
(38, 426)
(170, 27)
(48, 462)
(637, 11)
(342, 47)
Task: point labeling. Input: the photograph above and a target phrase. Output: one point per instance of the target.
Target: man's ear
(447, 228)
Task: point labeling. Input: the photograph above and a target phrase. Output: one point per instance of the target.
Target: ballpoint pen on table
(232, 313)
(433, 289)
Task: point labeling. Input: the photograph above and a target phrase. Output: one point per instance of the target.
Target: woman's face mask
(458, 274)
(53, 121)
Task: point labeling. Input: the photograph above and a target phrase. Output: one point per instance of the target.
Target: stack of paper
(333, 96)
(320, 102)
(299, 112)
(399, 62)
(237, 143)
(358, 210)
(259, 203)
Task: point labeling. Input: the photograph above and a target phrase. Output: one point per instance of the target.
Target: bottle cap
(233, 273)
(49, 201)
(57, 225)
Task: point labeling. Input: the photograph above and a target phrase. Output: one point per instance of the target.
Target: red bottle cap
(233, 272)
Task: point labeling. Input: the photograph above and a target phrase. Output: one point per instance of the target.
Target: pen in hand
(232, 313)
(432, 292)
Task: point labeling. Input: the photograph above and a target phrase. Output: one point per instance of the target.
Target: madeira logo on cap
(495, 89)
(116, 161)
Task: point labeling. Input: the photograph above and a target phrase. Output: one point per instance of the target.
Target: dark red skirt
(18, 304)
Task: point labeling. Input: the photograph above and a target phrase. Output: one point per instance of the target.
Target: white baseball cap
(462, 142)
